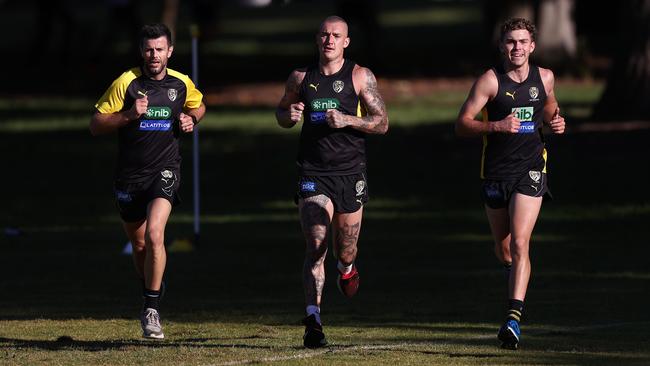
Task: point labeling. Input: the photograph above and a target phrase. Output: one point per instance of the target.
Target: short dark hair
(153, 31)
(516, 24)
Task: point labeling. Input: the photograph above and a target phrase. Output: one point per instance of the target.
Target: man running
(148, 106)
(341, 105)
(516, 99)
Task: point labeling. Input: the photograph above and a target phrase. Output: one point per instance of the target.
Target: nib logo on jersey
(157, 119)
(320, 106)
(525, 115)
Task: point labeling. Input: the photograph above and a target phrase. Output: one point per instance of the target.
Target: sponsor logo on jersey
(308, 186)
(534, 93)
(338, 86)
(314, 86)
(157, 119)
(158, 113)
(525, 115)
(323, 104)
(317, 117)
(172, 94)
(511, 95)
(153, 125)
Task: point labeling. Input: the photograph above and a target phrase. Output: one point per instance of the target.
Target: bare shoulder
(298, 75)
(487, 84)
(546, 75)
(295, 79)
(548, 79)
(363, 78)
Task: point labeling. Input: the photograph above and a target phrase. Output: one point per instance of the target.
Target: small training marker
(180, 246)
(128, 249)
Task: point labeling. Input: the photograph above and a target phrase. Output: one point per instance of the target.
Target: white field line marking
(341, 349)
(314, 353)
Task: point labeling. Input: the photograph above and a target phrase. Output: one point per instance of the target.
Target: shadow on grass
(68, 343)
(437, 266)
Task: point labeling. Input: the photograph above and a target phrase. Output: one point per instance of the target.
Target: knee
(519, 247)
(502, 253)
(155, 238)
(316, 252)
(138, 246)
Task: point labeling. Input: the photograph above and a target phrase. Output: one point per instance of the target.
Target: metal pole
(194, 30)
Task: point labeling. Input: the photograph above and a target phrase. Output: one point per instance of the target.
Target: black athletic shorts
(497, 193)
(347, 192)
(132, 199)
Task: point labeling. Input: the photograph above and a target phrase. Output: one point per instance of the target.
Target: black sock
(515, 310)
(151, 298)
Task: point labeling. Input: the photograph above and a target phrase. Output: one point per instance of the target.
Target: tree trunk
(556, 39)
(627, 93)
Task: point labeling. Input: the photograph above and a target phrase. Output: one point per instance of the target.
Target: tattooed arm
(289, 111)
(376, 119)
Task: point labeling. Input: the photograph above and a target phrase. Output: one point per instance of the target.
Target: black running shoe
(314, 336)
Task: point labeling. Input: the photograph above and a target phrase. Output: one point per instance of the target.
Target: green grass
(243, 343)
(431, 293)
(54, 114)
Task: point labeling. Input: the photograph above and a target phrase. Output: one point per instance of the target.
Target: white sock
(313, 309)
(343, 268)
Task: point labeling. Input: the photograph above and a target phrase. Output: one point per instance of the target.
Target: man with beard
(149, 106)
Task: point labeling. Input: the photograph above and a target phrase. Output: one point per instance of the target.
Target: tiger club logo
(172, 94)
(338, 86)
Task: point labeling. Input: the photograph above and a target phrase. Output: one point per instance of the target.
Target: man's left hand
(186, 122)
(557, 123)
(335, 119)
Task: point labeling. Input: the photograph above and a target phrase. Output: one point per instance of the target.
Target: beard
(155, 69)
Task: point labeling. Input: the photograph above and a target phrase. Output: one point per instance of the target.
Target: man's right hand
(139, 108)
(295, 111)
(510, 124)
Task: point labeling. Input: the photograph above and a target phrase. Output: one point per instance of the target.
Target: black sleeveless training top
(505, 155)
(324, 150)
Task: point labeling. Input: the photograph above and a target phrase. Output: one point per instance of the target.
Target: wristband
(194, 119)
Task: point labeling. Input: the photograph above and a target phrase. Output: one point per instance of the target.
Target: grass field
(431, 293)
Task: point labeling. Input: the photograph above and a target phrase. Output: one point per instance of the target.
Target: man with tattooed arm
(340, 104)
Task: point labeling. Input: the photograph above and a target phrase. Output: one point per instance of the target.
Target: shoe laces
(152, 317)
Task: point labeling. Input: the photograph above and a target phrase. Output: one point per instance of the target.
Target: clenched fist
(335, 119)
(510, 124)
(557, 122)
(186, 122)
(139, 107)
(295, 112)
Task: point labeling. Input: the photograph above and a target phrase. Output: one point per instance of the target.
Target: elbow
(384, 127)
(282, 120)
(93, 129)
(460, 130)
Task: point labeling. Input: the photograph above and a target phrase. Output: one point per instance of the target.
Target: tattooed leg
(315, 217)
(346, 228)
